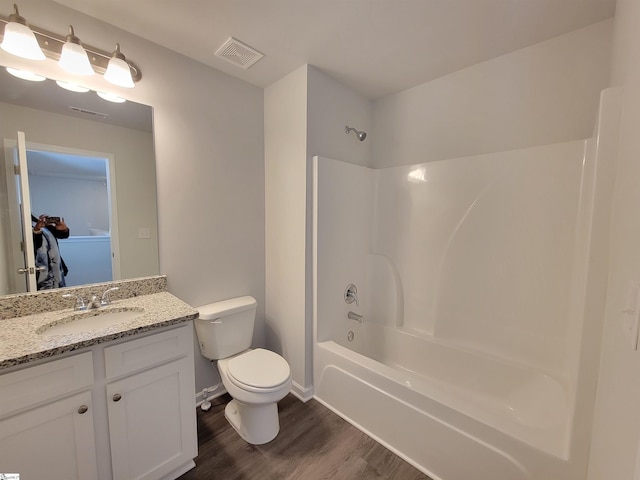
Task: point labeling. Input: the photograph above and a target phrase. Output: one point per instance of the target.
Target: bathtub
(435, 405)
(467, 362)
(516, 400)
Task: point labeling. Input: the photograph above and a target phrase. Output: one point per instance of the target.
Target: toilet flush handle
(215, 321)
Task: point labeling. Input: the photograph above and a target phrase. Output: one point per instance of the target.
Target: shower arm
(360, 134)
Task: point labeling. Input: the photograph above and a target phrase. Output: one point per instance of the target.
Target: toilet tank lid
(215, 310)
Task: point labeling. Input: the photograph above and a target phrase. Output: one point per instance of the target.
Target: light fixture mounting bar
(51, 44)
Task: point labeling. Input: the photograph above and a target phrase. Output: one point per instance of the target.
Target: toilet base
(256, 424)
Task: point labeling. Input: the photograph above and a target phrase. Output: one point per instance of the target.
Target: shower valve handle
(350, 294)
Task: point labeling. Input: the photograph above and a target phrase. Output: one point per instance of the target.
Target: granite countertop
(20, 342)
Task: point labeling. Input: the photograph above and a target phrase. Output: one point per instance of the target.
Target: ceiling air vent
(238, 53)
(88, 112)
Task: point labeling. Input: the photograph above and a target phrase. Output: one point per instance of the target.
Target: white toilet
(256, 379)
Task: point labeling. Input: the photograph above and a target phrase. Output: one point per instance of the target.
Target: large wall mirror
(86, 160)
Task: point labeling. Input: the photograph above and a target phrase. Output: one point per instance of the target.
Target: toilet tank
(226, 328)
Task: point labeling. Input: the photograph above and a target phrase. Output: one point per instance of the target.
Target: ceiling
(376, 47)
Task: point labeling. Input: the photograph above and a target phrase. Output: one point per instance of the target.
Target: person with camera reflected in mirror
(50, 266)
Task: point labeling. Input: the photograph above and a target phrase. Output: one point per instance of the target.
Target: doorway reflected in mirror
(56, 181)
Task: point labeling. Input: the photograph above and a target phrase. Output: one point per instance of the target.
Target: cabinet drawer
(34, 385)
(129, 357)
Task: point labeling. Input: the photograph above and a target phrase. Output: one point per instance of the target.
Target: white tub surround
(477, 315)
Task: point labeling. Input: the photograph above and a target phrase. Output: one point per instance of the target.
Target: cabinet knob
(83, 409)
(117, 397)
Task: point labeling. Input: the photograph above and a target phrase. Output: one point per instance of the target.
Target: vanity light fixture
(72, 87)
(26, 75)
(74, 58)
(19, 39)
(85, 59)
(118, 71)
(110, 97)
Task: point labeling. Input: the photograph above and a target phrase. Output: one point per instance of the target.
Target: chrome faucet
(105, 296)
(354, 316)
(94, 302)
(81, 303)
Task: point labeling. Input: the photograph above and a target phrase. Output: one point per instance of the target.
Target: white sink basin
(90, 320)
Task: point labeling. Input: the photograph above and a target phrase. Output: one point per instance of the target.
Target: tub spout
(355, 316)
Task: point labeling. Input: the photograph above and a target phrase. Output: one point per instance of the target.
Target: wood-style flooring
(313, 444)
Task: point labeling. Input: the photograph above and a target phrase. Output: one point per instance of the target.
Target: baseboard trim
(303, 394)
(178, 472)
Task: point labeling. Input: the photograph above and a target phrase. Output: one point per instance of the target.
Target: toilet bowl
(256, 379)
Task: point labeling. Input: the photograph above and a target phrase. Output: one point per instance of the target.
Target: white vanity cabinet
(124, 410)
(151, 405)
(46, 420)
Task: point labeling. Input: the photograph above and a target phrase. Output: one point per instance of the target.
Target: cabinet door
(54, 441)
(152, 421)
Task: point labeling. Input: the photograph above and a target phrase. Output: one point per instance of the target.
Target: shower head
(361, 135)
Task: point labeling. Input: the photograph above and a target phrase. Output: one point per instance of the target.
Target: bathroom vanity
(114, 402)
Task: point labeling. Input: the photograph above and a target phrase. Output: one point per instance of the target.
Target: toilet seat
(258, 370)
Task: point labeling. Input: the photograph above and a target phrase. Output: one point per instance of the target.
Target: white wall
(539, 95)
(617, 418)
(331, 107)
(208, 130)
(285, 122)
(305, 115)
(209, 156)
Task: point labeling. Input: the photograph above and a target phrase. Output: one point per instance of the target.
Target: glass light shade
(74, 59)
(26, 75)
(19, 40)
(119, 73)
(110, 97)
(72, 87)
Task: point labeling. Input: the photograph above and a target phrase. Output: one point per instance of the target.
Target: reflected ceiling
(50, 97)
